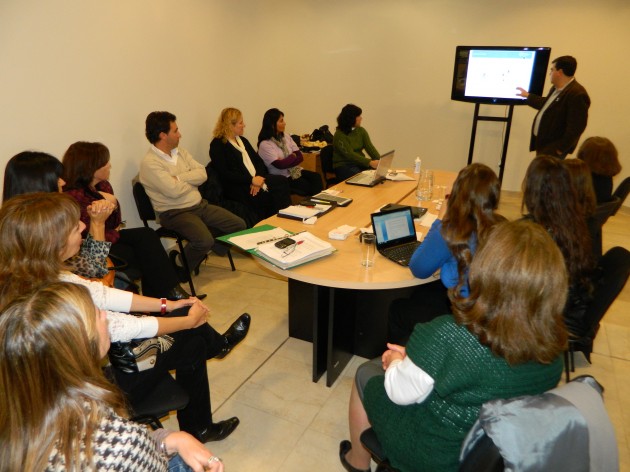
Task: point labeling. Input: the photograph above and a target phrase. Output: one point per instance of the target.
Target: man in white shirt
(171, 178)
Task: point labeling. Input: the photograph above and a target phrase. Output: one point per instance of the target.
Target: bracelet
(163, 306)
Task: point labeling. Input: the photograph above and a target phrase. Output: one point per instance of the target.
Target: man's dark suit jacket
(563, 122)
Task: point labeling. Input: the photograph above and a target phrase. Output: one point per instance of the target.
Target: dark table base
(340, 323)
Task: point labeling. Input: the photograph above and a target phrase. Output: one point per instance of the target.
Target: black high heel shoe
(344, 448)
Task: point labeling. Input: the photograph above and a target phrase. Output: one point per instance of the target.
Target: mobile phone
(284, 243)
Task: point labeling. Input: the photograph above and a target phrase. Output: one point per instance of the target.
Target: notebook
(372, 177)
(327, 197)
(306, 247)
(395, 234)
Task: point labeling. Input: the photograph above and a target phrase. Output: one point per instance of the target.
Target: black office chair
(621, 192)
(372, 444)
(326, 156)
(614, 270)
(597, 221)
(165, 397)
(146, 212)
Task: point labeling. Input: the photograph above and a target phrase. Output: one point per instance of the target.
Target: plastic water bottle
(418, 165)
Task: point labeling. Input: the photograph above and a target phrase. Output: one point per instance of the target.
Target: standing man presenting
(563, 114)
(171, 178)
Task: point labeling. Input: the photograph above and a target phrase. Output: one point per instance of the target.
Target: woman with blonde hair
(242, 172)
(29, 257)
(504, 340)
(59, 412)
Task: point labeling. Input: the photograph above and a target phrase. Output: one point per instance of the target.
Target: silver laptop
(372, 177)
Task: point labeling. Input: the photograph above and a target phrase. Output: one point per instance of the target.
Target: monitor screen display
(491, 74)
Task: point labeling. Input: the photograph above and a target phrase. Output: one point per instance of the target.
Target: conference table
(335, 302)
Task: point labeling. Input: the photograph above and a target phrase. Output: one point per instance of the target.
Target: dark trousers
(199, 224)
(427, 302)
(308, 184)
(187, 356)
(147, 260)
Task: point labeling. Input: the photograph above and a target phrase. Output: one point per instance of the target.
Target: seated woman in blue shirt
(449, 246)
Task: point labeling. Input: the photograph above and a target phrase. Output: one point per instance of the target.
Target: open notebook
(306, 248)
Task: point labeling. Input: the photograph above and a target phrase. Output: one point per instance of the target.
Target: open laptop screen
(393, 227)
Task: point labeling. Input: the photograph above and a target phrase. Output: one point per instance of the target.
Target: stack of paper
(307, 247)
(301, 212)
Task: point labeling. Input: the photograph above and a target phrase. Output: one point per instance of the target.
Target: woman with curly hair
(602, 158)
(505, 339)
(59, 410)
(449, 246)
(349, 142)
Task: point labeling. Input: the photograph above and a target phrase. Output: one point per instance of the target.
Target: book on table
(261, 242)
(304, 211)
(305, 247)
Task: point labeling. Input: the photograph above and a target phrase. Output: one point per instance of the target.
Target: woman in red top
(86, 172)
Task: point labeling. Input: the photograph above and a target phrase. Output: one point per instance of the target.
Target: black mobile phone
(284, 243)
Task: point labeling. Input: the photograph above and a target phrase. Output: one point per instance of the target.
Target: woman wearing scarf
(242, 172)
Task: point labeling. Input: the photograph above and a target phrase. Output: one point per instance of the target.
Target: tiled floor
(290, 424)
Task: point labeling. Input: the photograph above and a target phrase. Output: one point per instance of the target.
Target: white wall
(91, 70)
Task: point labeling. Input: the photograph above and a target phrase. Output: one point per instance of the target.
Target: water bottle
(418, 165)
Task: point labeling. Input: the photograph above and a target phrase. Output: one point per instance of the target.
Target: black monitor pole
(506, 119)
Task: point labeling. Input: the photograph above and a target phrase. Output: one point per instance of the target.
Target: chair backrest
(566, 428)
(606, 210)
(166, 396)
(621, 192)
(326, 159)
(143, 203)
(615, 271)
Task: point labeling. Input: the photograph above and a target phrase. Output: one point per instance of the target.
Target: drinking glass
(424, 190)
(368, 249)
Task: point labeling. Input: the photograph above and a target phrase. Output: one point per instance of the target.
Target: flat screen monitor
(490, 74)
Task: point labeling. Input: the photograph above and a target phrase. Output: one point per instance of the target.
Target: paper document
(307, 247)
(253, 240)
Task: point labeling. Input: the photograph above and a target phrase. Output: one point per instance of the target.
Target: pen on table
(321, 201)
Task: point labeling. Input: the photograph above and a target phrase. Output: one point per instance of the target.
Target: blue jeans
(177, 464)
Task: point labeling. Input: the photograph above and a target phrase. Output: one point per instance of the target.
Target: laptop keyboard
(363, 178)
(401, 254)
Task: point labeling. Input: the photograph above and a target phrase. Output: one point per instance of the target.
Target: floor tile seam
(246, 379)
(271, 276)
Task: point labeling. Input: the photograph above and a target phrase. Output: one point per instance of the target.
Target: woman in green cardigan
(504, 340)
(349, 142)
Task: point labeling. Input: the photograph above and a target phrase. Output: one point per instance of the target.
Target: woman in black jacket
(242, 172)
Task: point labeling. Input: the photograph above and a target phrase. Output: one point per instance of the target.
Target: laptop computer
(395, 234)
(372, 177)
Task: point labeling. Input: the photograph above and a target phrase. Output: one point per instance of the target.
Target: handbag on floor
(138, 355)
